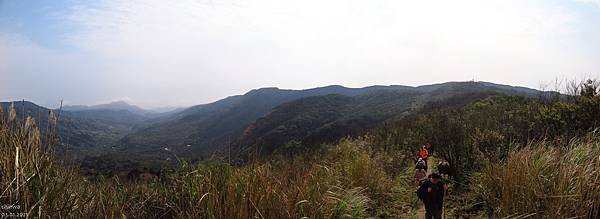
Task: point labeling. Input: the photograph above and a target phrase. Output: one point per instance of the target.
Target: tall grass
(32, 183)
(545, 181)
(344, 181)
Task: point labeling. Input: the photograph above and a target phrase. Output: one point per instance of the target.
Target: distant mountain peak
(114, 105)
(263, 90)
(119, 102)
(334, 86)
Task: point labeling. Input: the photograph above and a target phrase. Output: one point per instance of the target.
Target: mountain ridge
(325, 119)
(242, 121)
(207, 128)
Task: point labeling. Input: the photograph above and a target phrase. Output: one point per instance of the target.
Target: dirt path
(429, 168)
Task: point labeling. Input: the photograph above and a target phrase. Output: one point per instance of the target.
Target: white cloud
(187, 51)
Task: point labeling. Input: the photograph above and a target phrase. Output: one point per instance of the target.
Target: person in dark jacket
(445, 169)
(432, 192)
(421, 164)
(429, 149)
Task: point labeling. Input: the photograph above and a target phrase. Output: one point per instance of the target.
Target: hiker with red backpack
(423, 154)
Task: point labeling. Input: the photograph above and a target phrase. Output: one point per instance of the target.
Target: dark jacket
(433, 199)
(444, 168)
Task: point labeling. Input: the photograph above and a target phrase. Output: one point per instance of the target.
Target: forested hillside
(211, 127)
(80, 133)
(242, 123)
(326, 119)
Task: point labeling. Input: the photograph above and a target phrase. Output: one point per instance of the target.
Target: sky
(155, 53)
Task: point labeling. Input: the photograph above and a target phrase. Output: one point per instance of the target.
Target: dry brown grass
(30, 179)
(545, 181)
(343, 182)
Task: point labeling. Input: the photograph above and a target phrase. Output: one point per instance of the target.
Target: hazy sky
(185, 52)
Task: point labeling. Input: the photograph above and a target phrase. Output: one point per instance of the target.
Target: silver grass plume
(52, 118)
(12, 115)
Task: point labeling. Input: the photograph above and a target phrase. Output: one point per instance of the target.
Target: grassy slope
(344, 180)
(348, 179)
(354, 178)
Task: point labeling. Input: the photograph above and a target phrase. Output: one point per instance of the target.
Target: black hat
(435, 176)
